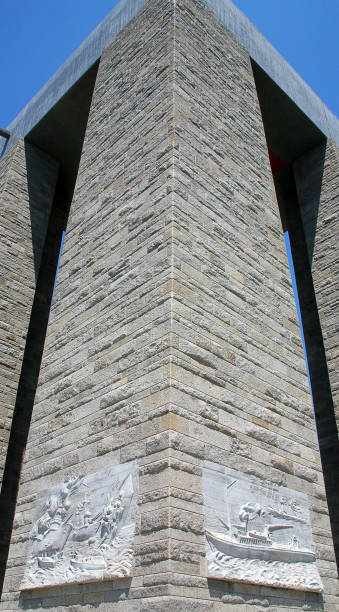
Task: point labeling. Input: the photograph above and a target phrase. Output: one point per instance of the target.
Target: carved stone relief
(257, 531)
(84, 529)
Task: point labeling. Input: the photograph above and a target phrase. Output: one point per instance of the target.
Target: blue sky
(37, 37)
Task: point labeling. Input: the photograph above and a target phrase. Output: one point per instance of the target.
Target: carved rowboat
(83, 533)
(243, 551)
(46, 562)
(89, 564)
(55, 540)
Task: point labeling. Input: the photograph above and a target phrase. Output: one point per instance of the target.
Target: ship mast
(227, 487)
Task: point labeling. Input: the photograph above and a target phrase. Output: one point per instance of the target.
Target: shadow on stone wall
(300, 210)
(233, 593)
(111, 592)
(41, 183)
(308, 173)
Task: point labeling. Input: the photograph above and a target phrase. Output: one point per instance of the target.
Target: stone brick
(173, 335)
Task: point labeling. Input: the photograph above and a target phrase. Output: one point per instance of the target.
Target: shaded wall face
(317, 185)
(316, 180)
(305, 169)
(173, 337)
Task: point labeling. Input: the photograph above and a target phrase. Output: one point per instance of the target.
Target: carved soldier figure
(110, 519)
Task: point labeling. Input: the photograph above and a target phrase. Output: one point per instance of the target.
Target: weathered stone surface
(173, 336)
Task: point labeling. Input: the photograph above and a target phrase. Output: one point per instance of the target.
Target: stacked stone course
(173, 336)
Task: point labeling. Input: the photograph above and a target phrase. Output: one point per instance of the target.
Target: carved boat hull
(46, 563)
(56, 540)
(100, 564)
(83, 533)
(241, 551)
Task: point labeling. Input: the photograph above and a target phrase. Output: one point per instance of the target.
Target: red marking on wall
(275, 161)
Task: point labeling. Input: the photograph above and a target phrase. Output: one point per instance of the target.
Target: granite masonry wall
(173, 336)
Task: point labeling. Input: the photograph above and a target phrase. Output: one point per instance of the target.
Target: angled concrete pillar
(173, 338)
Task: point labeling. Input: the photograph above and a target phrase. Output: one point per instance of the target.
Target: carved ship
(89, 563)
(55, 540)
(81, 534)
(46, 562)
(249, 548)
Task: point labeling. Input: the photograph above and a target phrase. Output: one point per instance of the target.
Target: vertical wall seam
(172, 185)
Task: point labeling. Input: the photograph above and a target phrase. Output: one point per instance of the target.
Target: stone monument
(160, 447)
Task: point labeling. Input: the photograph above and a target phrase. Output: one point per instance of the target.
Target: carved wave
(298, 576)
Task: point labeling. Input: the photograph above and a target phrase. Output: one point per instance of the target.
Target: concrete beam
(259, 49)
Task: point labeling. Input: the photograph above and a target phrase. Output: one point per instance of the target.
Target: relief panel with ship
(257, 531)
(84, 529)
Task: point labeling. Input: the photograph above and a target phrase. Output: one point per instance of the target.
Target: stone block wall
(173, 336)
(27, 183)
